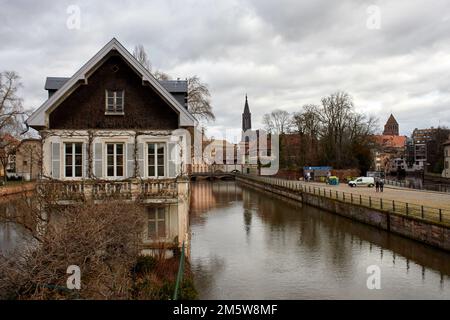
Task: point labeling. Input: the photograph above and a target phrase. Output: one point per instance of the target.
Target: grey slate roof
(173, 86)
(54, 83)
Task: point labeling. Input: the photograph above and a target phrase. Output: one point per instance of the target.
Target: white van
(362, 181)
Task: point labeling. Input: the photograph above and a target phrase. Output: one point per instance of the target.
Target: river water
(246, 244)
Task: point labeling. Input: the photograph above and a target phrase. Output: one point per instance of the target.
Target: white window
(115, 102)
(156, 157)
(73, 160)
(114, 159)
(157, 223)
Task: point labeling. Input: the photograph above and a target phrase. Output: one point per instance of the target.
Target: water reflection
(250, 245)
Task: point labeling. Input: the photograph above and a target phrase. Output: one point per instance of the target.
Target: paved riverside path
(419, 197)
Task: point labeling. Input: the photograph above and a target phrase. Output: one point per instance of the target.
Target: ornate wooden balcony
(100, 190)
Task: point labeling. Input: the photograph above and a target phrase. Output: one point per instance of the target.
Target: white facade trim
(127, 138)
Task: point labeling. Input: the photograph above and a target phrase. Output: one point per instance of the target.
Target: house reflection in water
(206, 195)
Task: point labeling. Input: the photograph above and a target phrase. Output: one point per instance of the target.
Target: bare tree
(199, 102)
(307, 124)
(199, 97)
(11, 109)
(158, 74)
(278, 121)
(141, 56)
(307, 121)
(7, 148)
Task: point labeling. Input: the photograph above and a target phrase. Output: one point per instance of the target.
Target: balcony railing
(111, 190)
(135, 189)
(158, 189)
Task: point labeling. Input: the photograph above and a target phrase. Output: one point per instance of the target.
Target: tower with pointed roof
(391, 127)
(246, 117)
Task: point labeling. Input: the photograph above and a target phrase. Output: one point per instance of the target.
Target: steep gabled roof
(389, 141)
(39, 118)
(391, 120)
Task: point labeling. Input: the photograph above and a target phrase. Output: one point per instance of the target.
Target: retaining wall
(435, 234)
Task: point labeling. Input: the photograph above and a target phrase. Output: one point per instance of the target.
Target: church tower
(246, 117)
(391, 127)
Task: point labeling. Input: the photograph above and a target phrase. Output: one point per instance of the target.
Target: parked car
(362, 181)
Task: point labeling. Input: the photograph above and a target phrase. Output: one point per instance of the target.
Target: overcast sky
(283, 54)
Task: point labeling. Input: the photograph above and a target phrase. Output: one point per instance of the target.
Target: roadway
(419, 197)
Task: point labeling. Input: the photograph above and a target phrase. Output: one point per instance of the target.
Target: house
(28, 159)
(386, 148)
(428, 148)
(113, 131)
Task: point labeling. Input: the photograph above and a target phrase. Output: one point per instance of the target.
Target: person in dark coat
(381, 185)
(377, 185)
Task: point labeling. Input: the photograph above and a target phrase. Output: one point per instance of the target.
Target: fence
(399, 207)
(410, 185)
(180, 274)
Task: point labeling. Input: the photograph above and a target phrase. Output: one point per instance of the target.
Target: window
(156, 223)
(73, 160)
(156, 159)
(115, 102)
(114, 159)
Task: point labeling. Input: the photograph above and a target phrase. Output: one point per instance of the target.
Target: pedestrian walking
(381, 185)
(377, 185)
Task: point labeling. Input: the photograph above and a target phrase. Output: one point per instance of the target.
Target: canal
(246, 244)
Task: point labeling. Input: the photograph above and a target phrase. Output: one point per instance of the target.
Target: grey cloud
(282, 53)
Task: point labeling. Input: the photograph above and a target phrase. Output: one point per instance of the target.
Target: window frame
(165, 159)
(114, 112)
(165, 213)
(114, 165)
(73, 165)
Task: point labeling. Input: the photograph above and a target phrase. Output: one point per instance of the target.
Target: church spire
(246, 116)
(246, 108)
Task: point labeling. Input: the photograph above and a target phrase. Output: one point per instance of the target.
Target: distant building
(385, 149)
(446, 171)
(428, 147)
(391, 127)
(409, 152)
(28, 159)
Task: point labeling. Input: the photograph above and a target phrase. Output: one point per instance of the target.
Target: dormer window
(115, 102)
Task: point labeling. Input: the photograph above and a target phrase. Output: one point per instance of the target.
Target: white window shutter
(130, 160)
(98, 160)
(140, 159)
(174, 159)
(85, 160)
(56, 160)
